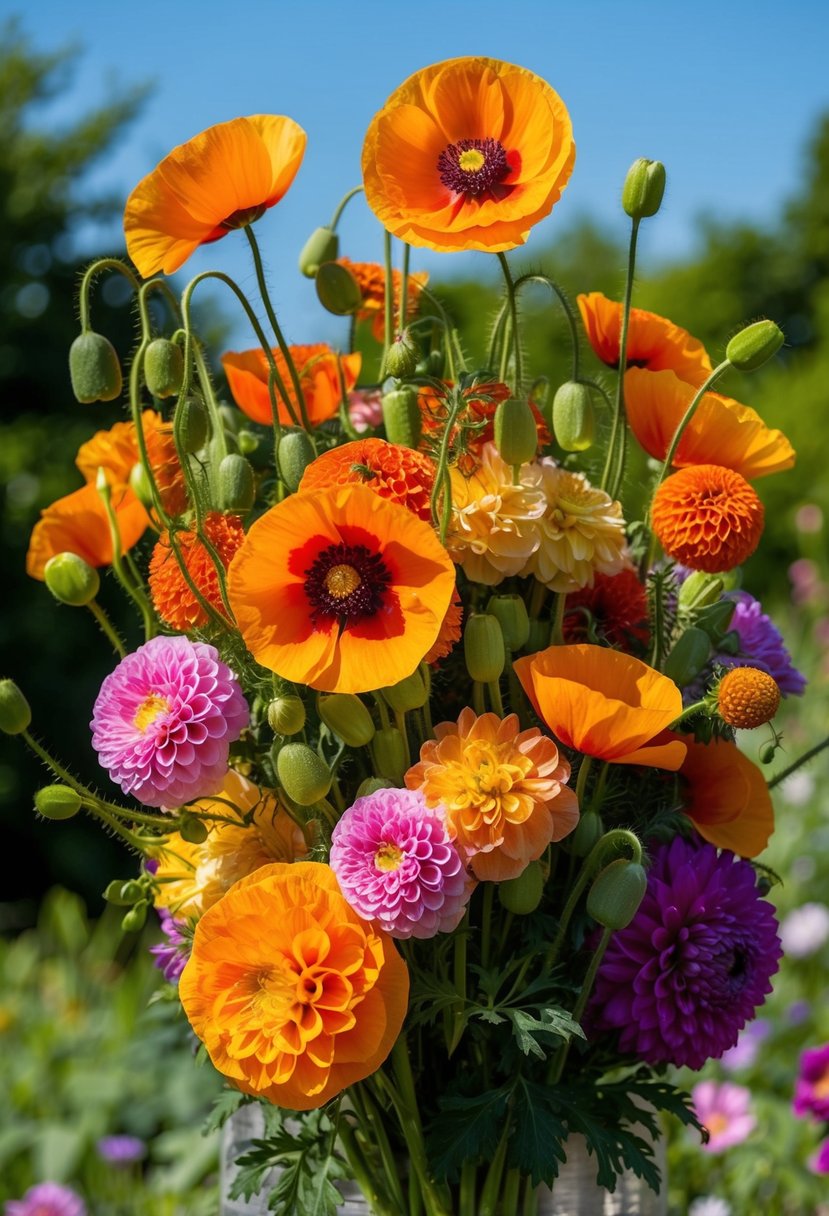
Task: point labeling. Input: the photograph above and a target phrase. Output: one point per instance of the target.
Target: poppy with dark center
(653, 342)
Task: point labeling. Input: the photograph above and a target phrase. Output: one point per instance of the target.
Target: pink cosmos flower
(395, 863)
(365, 409)
(47, 1199)
(724, 1109)
(164, 721)
(811, 1095)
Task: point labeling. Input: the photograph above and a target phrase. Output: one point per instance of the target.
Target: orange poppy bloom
(116, 451)
(340, 590)
(390, 470)
(222, 179)
(371, 279)
(78, 524)
(248, 373)
(171, 594)
(468, 154)
(654, 342)
(604, 703)
(721, 431)
(726, 797)
(293, 995)
(707, 517)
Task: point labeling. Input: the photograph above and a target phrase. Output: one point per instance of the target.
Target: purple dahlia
(681, 981)
(171, 955)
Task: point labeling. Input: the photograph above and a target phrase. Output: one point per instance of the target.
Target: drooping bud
(589, 831)
(699, 590)
(71, 580)
(483, 647)
(522, 895)
(747, 697)
(407, 694)
(237, 487)
(401, 417)
(113, 895)
(163, 367)
(616, 894)
(370, 786)
(688, 657)
(337, 289)
(192, 829)
(347, 716)
(767, 753)
(515, 431)
(130, 891)
(140, 485)
(643, 189)
(322, 245)
(389, 752)
(286, 715)
(94, 368)
(402, 356)
(57, 802)
(511, 613)
(754, 345)
(136, 918)
(190, 424)
(296, 451)
(15, 713)
(573, 417)
(302, 773)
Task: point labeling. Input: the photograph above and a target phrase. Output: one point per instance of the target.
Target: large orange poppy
(604, 703)
(222, 179)
(116, 452)
(468, 154)
(726, 797)
(721, 431)
(340, 589)
(653, 342)
(78, 524)
(248, 373)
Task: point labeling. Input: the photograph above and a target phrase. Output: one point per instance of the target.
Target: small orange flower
(248, 373)
(293, 995)
(707, 517)
(389, 469)
(502, 790)
(78, 524)
(721, 431)
(726, 797)
(222, 179)
(468, 154)
(604, 703)
(747, 697)
(450, 632)
(355, 596)
(371, 279)
(174, 601)
(116, 451)
(653, 341)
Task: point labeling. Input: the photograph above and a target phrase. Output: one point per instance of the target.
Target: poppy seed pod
(688, 657)
(163, 367)
(94, 368)
(296, 451)
(337, 289)
(192, 829)
(754, 345)
(190, 424)
(346, 715)
(616, 894)
(401, 417)
(303, 775)
(589, 831)
(573, 418)
(407, 694)
(322, 245)
(515, 431)
(643, 189)
(402, 356)
(286, 715)
(370, 786)
(522, 895)
(71, 580)
(237, 488)
(483, 647)
(511, 613)
(15, 713)
(389, 752)
(57, 802)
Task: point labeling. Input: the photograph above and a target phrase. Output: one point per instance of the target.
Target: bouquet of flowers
(429, 748)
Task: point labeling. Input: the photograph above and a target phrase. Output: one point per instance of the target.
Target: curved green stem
(787, 772)
(86, 283)
(516, 339)
(560, 1058)
(108, 628)
(614, 468)
(341, 206)
(565, 304)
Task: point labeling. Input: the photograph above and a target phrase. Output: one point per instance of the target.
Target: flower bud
(57, 802)
(190, 424)
(715, 620)
(337, 289)
(370, 786)
(515, 431)
(389, 752)
(589, 831)
(192, 829)
(616, 894)
(140, 485)
(237, 488)
(130, 891)
(346, 715)
(136, 918)
(163, 367)
(432, 364)
(296, 451)
(286, 715)
(688, 657)
(322, 245)
(767, 753)
(304, 775)
(94, 368)
(754, 345)
(112, 893)
(699, 590)
(483, 647)
(511, 613)
(407, 694)
(401, 417)
(71, 580)
(402, 356)
(248, 442)
(15, 714)
(522, 895)
(573, 418)
(643, 189)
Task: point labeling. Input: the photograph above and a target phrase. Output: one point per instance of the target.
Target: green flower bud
(248, 442)
(522, 895)
(515, 430)
(136, 918)
(237, 487)
(539, 637)
(346, 715)
(401, 417)
(192, 829)
(768, 753)
(304, 776)
(402, 356)
(511, 613)
(140, 485)
(573, 417)
(112, 893)
(163, 367)
(643, 189)
(407, 694)
(483, 647)
(71, 580)
(130, 891)
(286, 715)
(94, 368)
(190, 423)
(57, 802)
(715, 619)
(754, 345)
(337, 289)
(699, 590)
(232, 418)
(432, 364)
(322, 245)
(389, 752)
(616, 894)
(296, 451)
(370, 786)
(589, 831)
(15, 713)
(688, 657)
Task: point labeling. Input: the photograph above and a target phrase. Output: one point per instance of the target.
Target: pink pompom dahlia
(47, 1199)
(395, 864)
(164, 721)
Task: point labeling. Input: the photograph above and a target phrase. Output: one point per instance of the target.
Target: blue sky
(724, 93)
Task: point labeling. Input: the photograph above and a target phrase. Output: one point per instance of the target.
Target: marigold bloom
(721, 431)
(581, 534)
(653, 342)
(390, 470)
(501, 789)
(747, 698)
(358, 594)
(172, 597)
(116, 451)
(708, 518)
(222, 179)
(468, 154)
(614, 611)
(318, 368)
(604, 703)
(371, 279)
(724, 1110)
(78, 523)
(726, 797)
(294, 996)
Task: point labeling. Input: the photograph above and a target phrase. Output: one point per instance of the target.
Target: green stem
(557, 634)
(516, 341)
(613, 476)
(560, 1058)
(565, 304)
(388, 297)
(512, 1187)
(467, 1191)
(134, 592)
(787, 772)
(405, 1098)
(459, 976)
(530, 1205)
(494, 689)
(86, 284)
(108, 628)
(492, 1183)
(341, 206)
(404, 286)
(441, 511)
(581, 780)
(361, 1096)
(486, 922)
(362, 1172)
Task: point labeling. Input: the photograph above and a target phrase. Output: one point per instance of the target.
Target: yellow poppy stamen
(471, 160)
(341, 581)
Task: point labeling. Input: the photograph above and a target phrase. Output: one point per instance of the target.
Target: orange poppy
(604, 703)
(389, 469)
(371, 279)
(721, 431)
(248, 373)
(222, 179)
(293, 995)
(172, 597)
(78, 524)
(654, 342)
(468, 154)
(340, 590)
(726, 797)
(116, 451)
(707, 517)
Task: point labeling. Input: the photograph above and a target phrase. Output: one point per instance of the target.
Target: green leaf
(465, 1129)
(553, 1022)
(536, 1142)
(226, 1104)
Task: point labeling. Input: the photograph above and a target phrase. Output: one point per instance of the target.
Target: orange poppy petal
(78, 524)
(726, 797)
(654, 342)
(248, 373)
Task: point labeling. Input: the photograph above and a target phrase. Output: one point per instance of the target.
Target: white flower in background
(710, 1205)
(798, 789)
(805, 930)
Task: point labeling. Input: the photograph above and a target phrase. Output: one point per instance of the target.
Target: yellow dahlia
(582, 532)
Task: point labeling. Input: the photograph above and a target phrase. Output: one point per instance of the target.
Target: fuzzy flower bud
(192, 829)
(515, 431)
(237, 488)
(573, 418)
(483, 647)
(346, 715)
(407, 694)
(296, 451)
(71, 580)
(616, 894)
(94, 368)
(402, 356)
(389, 752)
(754, 345)
(190, 424)
(401, 417)
(135, 920)
(57, 802)
(304, 775)
(747, 697)
(15, 714)
(286, 715)
(589, 832)
(643, 189)
(511, 613)
(163, 367)
(322, 245)
(337, 289)
(522, 895)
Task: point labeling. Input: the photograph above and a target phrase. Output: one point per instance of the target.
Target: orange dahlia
(726, 797)
(172, 596)
(371, 279)
(116, 451)
(389, 469)
(613, 611)
(707, 517)
(747, 698)
(293, 995)
(450, 632)
(78, 523)
(653, 341)
(468, 154)
(222, 179)
(318, 367)
(355, 598)
(721, 431)
(501, 789)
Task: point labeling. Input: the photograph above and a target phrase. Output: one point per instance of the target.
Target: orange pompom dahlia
(726, 797)
(117, 452)
(371, 279)
(318, 368)
(389, 469)
(171, 594)
(78, 523)
(653, 342)
(293, 995)
(747, 697)
(707, 517)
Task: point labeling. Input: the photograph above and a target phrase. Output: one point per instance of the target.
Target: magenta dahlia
(396, 864)
(681, 981)
(811, 1095)
(164, 721)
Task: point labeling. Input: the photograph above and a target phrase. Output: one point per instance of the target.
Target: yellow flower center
(716, 1124)
(341, 581)
(149, 709)
(821, 1087)
(471, 160)
(388, 857)
(480, 787)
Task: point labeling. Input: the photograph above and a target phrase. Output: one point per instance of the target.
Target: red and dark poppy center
(346, 582)
(473, 166)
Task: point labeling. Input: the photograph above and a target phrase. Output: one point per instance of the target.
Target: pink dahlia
(164, 721)
(47, 1199)
(811, 1095)
(396, 864)
(724, 1110)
